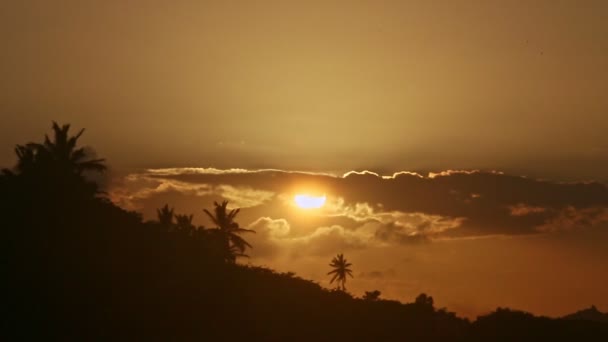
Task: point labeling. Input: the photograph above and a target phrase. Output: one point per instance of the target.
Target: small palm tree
(183, 223)
(165, 216)
(228, 230)
(340, 270)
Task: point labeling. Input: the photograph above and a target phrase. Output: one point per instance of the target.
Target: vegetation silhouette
(228, 231)
(589, 314)
(372, 295)
(165, 216)
(340, 271)
(79, 267)
(59, 155)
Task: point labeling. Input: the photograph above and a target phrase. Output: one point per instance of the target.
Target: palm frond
(212, 217)
(333, 278)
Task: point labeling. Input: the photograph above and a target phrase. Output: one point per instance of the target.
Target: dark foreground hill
(80, 268)
(96, 271)
(589, 314)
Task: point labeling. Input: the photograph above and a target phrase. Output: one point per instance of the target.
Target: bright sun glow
(309, 202)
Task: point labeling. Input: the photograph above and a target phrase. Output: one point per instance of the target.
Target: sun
(306, 201)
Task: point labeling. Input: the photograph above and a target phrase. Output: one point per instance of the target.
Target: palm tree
(341, 269)
(60, 154)
(228, 231)
(183, 223)
(26, 158)
(165, 216)
(57, 165)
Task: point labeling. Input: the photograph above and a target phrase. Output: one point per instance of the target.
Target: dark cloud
(407, 207)
(394, 233)
(377, 274)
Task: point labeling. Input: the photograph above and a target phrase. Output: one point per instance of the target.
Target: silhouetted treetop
(228, 230)
(372, 295)
(59, 153)
(57, 165)
(424, 300)
(165, 216)
(340, 270)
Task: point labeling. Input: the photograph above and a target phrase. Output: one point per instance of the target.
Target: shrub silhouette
(372, 295)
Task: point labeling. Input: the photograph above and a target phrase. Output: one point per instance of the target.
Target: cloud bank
(403, 207)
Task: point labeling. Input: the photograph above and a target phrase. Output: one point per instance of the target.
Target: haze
(327, 87)
(317, 86)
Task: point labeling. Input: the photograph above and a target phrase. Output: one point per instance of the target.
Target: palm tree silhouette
(57, 166)
(233, 245)
(183, 223)
(165, 216)
(26, 158)
(60, 154)
(341, 269)
(57, 157)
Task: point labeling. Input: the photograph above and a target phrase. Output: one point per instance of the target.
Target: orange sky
(323, 85)
(335, 86)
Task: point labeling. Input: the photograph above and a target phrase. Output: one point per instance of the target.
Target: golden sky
(319, 85)
(334, 86)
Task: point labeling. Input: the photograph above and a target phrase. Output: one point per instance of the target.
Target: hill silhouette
(589, 314)
(81, 268)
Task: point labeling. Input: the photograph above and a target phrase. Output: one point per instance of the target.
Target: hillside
(81, 268)
(590, 314)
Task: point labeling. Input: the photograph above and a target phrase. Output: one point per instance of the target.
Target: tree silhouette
(57, 168)
(165, 216)
(372, 295)
(425, 303)
(183, 223)
(341, 269)
(59, 154)
(228, 231)
(26, 158)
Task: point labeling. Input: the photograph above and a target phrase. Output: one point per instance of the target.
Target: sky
(254, 102)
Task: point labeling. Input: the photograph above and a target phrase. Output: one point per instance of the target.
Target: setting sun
(309, 202)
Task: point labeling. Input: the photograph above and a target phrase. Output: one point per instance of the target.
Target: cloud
(268, 240)
(522, 209)
(377, 274)
(214, 171)
(571, 218)
(243, 197)
(275, 236)
(136, 188)
(325, 241)
(415, 227)
(403, 207)
(274, 228)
